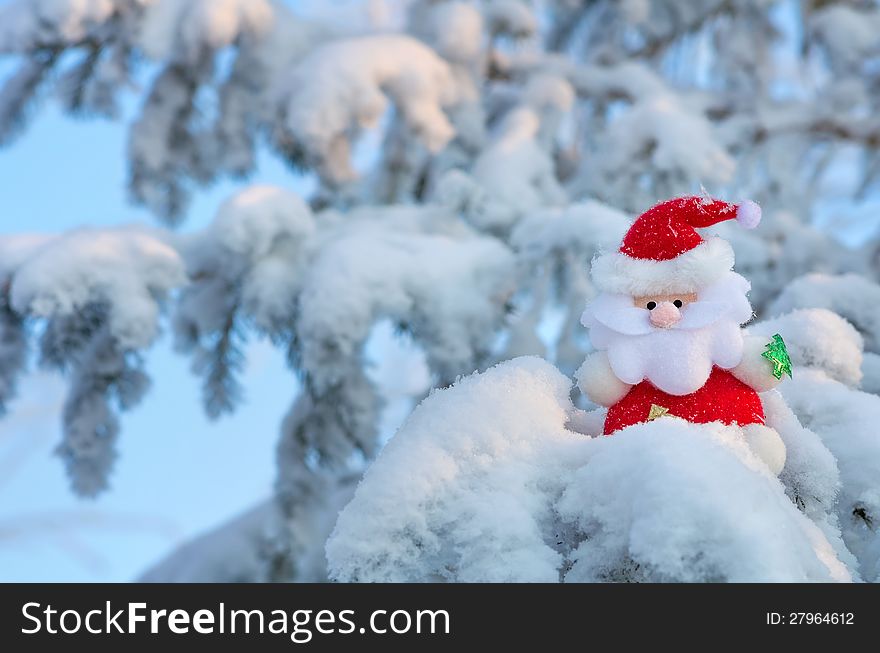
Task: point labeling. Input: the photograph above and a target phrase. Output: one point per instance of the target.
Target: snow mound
(484, 482)
(846, 422)
(673, 501)
(820, 339)
(465, 490)
(810, 475)
(851, 296)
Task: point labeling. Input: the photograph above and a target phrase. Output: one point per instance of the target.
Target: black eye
(677, 303)
(651, 305)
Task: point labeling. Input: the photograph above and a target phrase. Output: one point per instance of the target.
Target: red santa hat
(662, 253)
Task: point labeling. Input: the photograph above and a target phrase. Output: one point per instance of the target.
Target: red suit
(723, 398)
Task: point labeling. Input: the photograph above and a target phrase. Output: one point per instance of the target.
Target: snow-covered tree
(516, 139)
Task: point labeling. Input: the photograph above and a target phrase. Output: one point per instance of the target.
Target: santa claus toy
(667, 327)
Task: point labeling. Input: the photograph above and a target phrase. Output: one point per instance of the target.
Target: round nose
(665, 315)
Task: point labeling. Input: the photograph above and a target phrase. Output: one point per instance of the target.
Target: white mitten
(754, 370)
(596, 379)
(766, 444)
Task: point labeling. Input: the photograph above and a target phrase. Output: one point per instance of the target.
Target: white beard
(680, 359)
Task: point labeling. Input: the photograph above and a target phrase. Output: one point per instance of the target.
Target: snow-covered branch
(98, 296)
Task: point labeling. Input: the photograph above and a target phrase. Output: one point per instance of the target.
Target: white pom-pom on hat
(748, 214)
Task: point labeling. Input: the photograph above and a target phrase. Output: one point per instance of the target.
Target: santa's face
(664, 310)
(672, 340)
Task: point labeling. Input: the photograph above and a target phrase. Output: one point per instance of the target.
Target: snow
(345, 86)
(251, 222)
(554, 248)
(449, 291)
(659, 131)
(849, 33)
(458, 32)
(672, 501)
(783, 248)
(26, 24)
(465, 489)
(581, 229)
(185, 28)
(510, 17)
(259, 239)
(681, 143)
(871, 373)
(247, 266)
(512, 177)
(166, 29)
(810, 476)
(851, 296)
(484, 482)
(127, 269)
(16, 249)
(544, 91)
(844, 420)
